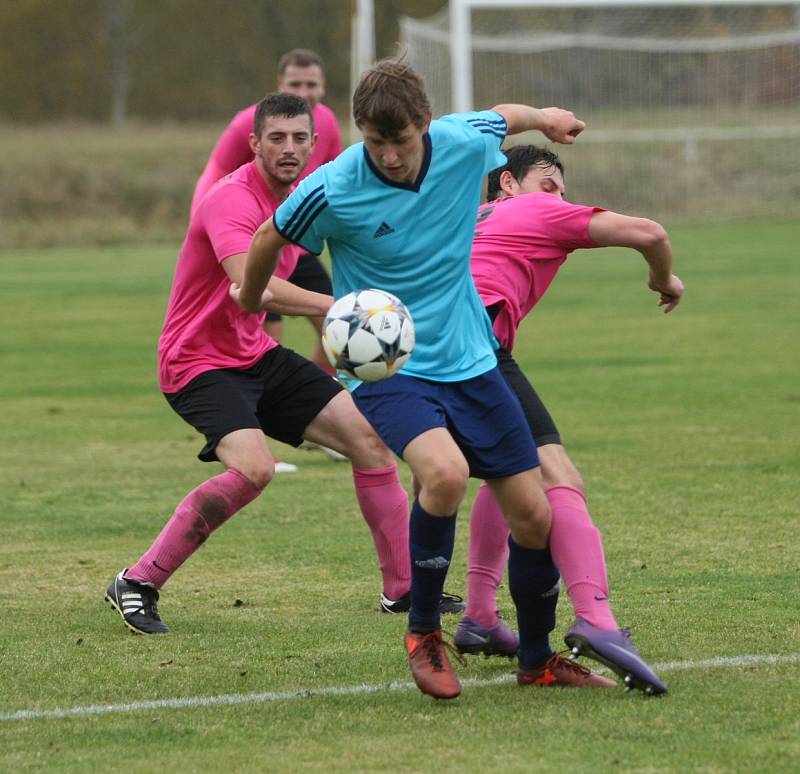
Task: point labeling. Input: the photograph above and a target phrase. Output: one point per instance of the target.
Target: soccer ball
(368, 334)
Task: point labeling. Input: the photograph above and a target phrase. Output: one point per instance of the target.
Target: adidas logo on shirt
(383, 230)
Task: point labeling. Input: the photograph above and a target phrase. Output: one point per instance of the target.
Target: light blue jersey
(412, 239)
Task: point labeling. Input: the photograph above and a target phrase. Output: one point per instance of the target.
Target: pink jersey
(519, 246)
(204, 328)
(233, 147)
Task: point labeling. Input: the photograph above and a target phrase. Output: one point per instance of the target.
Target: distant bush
(90, 185)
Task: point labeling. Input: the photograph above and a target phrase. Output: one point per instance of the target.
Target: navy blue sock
(432, 539)
(533, 583)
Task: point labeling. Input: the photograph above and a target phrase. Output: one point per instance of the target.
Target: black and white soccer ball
(368, 334)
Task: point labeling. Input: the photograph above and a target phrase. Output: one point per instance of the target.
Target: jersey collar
(423, 170)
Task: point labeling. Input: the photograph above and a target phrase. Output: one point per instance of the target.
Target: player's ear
(507, 182)
(427, 122)
(255, 143)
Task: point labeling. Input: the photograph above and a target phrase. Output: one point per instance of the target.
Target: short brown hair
(299, 57)
(391, 95)
(280, 104)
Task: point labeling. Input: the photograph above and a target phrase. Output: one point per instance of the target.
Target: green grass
(684, 427)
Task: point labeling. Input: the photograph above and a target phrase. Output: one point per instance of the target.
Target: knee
(558, 469)
(260, 472)
(572, 479)
(531, 528)
(445, 485)
(368, 450)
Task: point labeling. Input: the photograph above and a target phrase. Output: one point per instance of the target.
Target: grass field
(685, 428)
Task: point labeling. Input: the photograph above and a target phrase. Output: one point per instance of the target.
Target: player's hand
(561, 125)
(235, 292)
(670, 292)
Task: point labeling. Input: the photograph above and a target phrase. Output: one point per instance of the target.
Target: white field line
(191, 702)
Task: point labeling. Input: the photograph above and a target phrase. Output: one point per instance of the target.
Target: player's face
(283, 148)
(399, 157)
(541, 179)
(305, 82)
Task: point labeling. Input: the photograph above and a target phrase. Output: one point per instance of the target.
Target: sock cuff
(367, 477)
(568, 492)
(419, 511)
(425, 528)
(249, 489)
(537, 554)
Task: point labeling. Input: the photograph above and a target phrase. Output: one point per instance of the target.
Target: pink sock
(384, 505)
(577, 550)
(203, 510)
(488, 553)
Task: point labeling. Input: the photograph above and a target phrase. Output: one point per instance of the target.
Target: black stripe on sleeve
(289, 239)
(296, 220)
(298, 235)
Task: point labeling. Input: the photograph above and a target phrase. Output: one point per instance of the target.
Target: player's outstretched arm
(262, 258)
(609, 229)
(554, 123)
(288, 298)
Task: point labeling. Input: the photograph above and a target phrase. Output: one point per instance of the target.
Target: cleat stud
(649, 690)
(628, 679)
(628, 689)
(576, 651)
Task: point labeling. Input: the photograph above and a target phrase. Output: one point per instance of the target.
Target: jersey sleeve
(567, 223)
(303, 218)
(488, 128)
(231, 215)
(233, 147)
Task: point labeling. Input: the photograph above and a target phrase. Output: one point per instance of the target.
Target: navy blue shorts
(482, 414)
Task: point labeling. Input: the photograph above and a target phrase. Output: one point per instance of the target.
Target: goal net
(692, 111)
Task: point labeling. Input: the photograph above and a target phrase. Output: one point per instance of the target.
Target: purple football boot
(497, 640)
(613, 647)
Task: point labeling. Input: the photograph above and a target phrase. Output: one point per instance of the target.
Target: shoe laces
(433, 645)
(150, 602)
(557, 660)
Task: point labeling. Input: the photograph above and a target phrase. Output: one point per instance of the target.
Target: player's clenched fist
(562, 125)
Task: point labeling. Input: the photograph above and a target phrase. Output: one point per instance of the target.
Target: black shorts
(281, 395)
(309, 274)
(542, 426)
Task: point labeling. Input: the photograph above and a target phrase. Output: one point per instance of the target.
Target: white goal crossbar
(462, 42)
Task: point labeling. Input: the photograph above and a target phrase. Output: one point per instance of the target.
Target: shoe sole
(435, 696)
(442, 611)
(477, 650)
(453, 609)
(439, 698)
(114, 605)
(629, 678)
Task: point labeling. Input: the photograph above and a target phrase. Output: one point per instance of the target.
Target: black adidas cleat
(137, 604)
(450, 603)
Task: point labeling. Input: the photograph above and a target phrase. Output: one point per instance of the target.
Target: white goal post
(461, 29)
(692, 106)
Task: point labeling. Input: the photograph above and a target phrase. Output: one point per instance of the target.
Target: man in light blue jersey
(398, 213)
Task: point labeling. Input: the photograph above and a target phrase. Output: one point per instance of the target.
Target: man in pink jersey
(224, 375)
(300, 72)
(523, 236)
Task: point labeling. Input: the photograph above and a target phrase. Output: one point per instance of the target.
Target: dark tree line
(107, 60)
